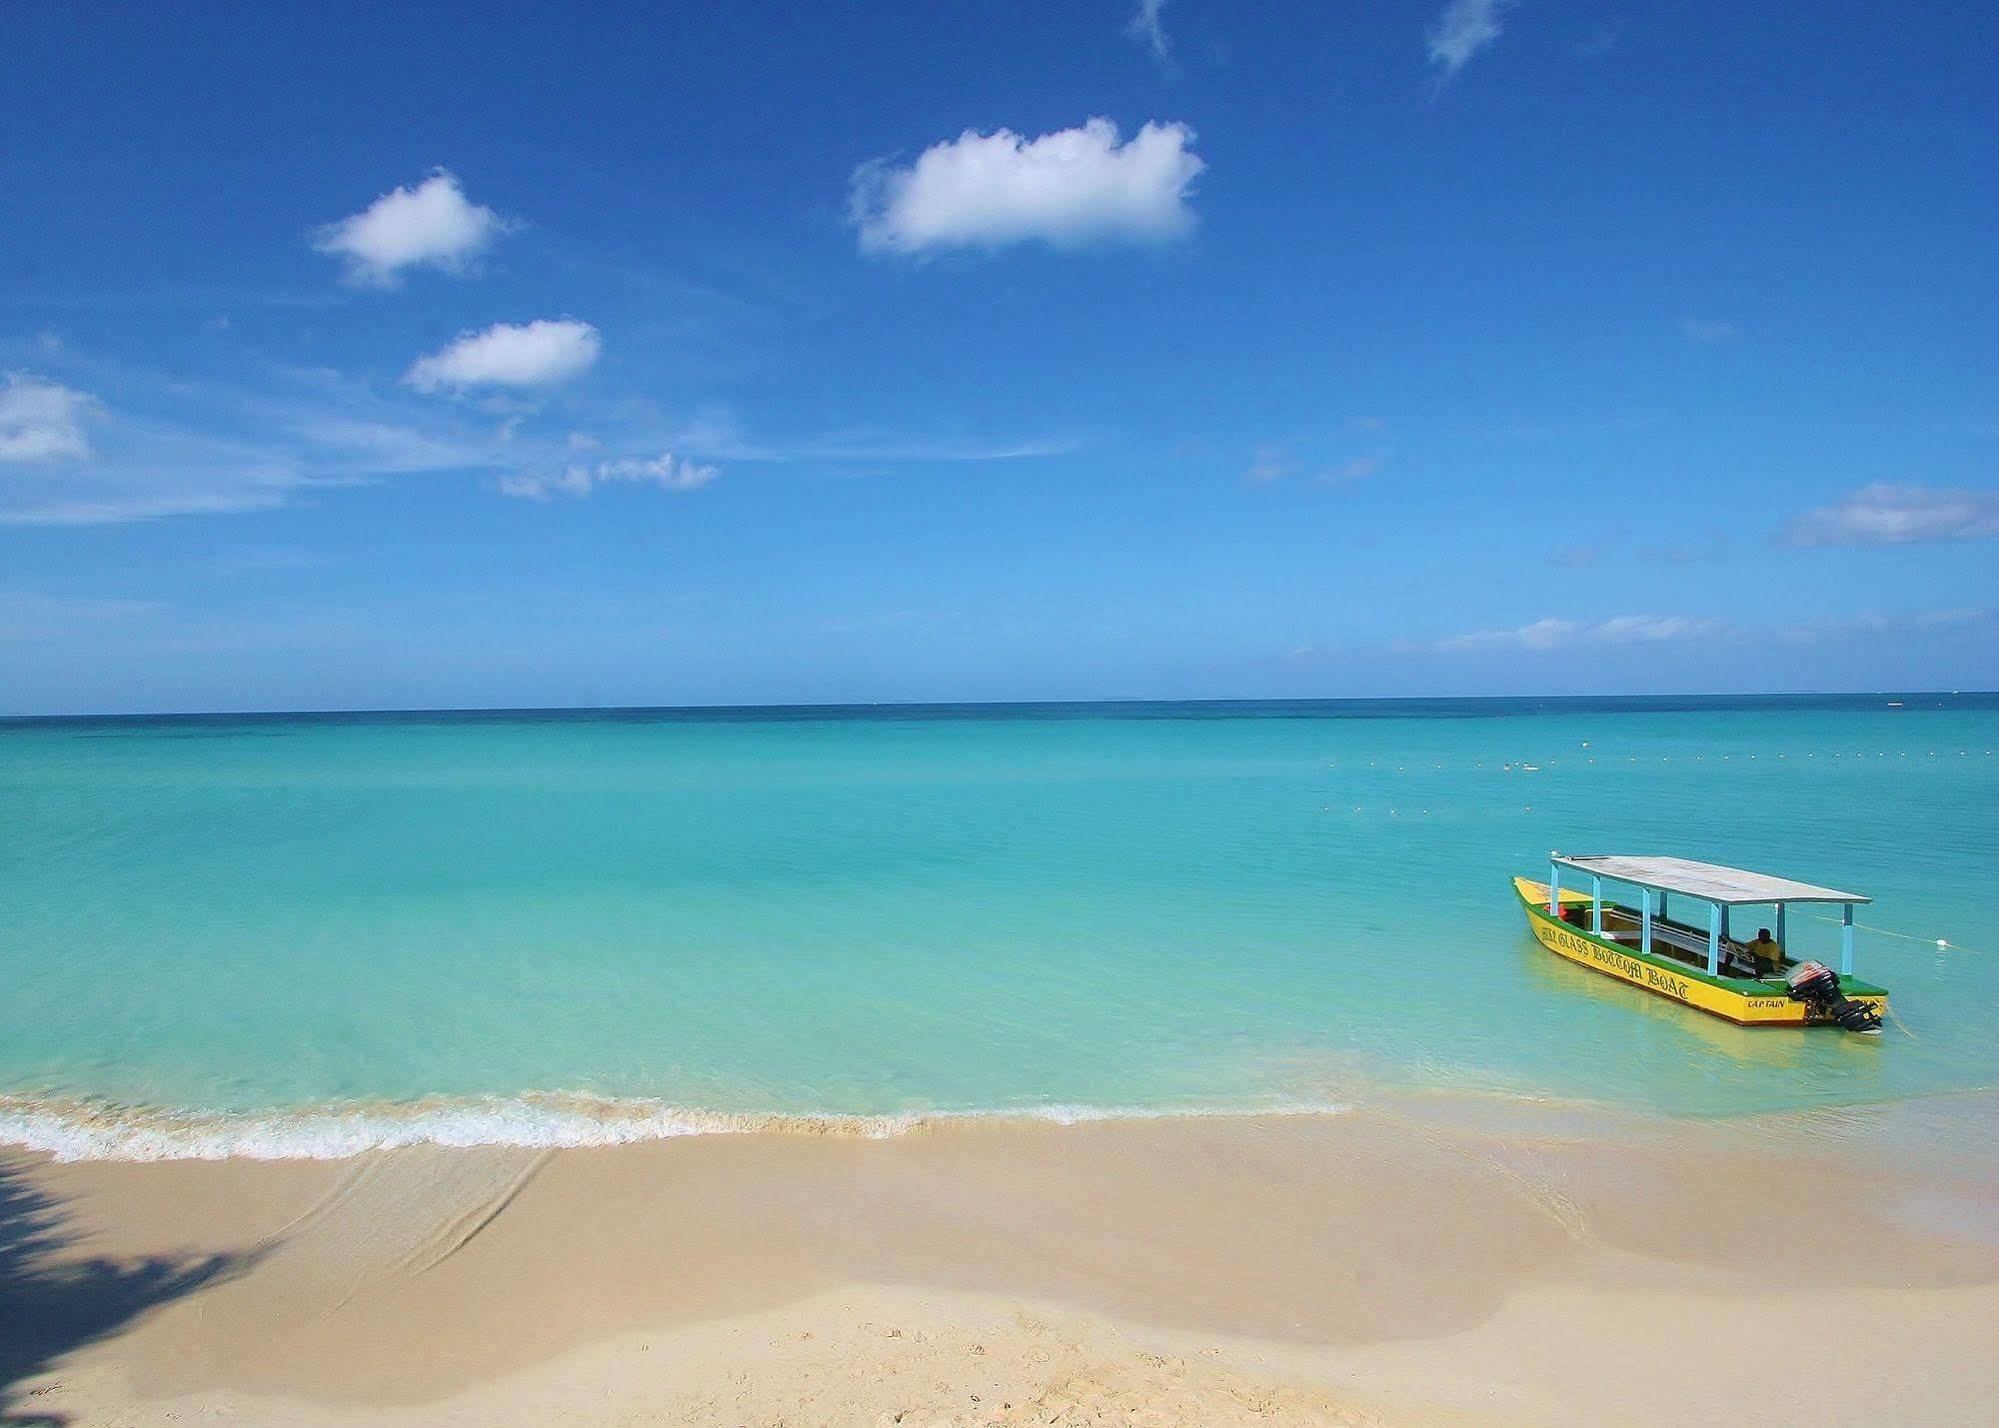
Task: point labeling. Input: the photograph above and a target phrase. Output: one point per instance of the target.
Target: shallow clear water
(887, 912)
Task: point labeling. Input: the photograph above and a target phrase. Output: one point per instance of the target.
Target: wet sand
(1426, 1260)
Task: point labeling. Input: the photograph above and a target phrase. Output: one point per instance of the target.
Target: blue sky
(548, 355)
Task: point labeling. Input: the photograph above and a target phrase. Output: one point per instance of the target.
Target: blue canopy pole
(1714, 939)
(1554, 888)
(1645, 921)
(1724, 922)
(1596, 905)
(1782, 939)
(1846, 939)
(1663, 904)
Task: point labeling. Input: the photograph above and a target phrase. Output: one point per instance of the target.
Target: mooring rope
(1942, 942)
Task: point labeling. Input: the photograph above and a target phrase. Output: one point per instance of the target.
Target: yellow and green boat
(1641, 942)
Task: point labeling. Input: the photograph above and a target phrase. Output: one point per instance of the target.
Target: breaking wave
(73, 1129)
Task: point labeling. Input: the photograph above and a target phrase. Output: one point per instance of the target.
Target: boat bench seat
(1625, 928)
(1667, 939)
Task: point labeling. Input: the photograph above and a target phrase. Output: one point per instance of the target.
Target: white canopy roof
(1708, 881)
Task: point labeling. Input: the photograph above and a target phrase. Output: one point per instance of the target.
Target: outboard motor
(1816, 985)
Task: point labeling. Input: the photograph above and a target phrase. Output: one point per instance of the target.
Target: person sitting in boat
(1768, 952)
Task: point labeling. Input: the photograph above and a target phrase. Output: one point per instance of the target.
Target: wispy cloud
(31, 616)
(1706, 331)
(1270, 463)
(41, 420)
(1545, 636)
(1275, 463)
(391, 448)
(1148, 31)
(265, 560)
(1601, 40)
(541, 353)
(125, 632)
(1683, 555)
(431, 225)
(1575, 557)
(40, 297)
(1357, 469)
(113, 502)
(1463, 29)
(1888, 514)
(167, 445)
(666, 471)
(1070, 189)
(1904, 623)
(717, 436)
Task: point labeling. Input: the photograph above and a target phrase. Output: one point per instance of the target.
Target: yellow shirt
(1768, 952)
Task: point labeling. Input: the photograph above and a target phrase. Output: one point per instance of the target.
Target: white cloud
(1146, 29)
(1887, 514)
(668, 472)
(537, 354)
(433, 223)
(1465, 28)
(1070, 189)
(1546, 635)
(42, 420)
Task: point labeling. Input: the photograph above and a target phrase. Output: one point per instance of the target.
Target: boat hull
(1726, 997)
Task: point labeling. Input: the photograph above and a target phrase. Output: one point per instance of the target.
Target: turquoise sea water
(298, 934)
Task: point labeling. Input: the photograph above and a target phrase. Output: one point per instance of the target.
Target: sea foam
(75, 1130)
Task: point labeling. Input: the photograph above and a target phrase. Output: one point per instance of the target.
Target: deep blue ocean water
(292, 933)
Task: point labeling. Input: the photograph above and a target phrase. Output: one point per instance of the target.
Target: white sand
(1404, 1265)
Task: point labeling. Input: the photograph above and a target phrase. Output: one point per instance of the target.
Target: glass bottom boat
(1639, 941)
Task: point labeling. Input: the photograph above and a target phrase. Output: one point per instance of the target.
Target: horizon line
(913, 704)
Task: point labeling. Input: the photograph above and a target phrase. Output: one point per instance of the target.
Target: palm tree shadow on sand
(53, 1303)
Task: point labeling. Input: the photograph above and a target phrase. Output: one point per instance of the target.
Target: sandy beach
(1428, 1260)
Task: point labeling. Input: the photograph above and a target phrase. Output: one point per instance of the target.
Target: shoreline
(84, 1129)
(1406, 1261)
(73, 1130)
